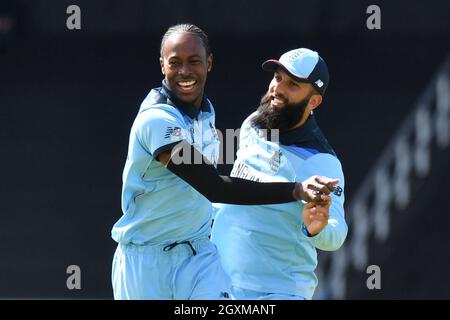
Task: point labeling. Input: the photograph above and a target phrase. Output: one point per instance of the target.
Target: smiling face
(283, 90)
(287, 104)
(185, 65)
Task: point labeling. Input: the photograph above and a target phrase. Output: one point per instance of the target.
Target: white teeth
(277, 101)
(186, 83)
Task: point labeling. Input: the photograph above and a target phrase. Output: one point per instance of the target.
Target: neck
(198, 103)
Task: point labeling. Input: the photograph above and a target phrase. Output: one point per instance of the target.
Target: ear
(315, 101)
(161, 63)
(210, 61)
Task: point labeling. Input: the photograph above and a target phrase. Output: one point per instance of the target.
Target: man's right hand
(315, 189)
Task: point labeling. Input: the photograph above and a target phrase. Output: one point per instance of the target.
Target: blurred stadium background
(68, 99)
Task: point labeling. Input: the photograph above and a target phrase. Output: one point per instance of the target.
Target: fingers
(314, 188)
(321, 199)
(326, 185)
(318, 217)
(315, 217)
(327, 181)
(318, 213)
(322, 188)
(326, 201)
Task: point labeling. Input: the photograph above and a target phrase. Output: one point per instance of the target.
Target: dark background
(68, 99)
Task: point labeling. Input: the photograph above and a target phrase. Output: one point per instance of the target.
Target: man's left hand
(315, 217)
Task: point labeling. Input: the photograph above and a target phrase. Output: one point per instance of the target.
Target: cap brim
(273, 65)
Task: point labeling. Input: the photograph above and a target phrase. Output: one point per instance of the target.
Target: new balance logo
(224, 294)
(338, 191)
(172, 131)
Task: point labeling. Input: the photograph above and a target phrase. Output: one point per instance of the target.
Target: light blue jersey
(158, 207)
(263, 247)
(164, 251)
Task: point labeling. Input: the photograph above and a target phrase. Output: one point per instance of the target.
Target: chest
(259, 159)
(202, 134)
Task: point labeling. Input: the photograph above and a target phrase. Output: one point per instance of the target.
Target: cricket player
(269, 251)
(163, 248)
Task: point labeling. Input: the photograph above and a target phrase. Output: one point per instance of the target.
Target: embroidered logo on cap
(319, 83)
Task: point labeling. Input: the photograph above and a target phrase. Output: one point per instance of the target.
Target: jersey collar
(307, 135)
(301, 134)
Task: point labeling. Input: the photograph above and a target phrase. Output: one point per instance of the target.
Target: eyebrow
(298, 83)
(295, 82)
(190, 57)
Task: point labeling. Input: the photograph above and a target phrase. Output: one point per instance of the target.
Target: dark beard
(283, 119)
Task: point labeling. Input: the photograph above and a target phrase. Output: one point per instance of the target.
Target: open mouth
(277, 102)
(187, 86)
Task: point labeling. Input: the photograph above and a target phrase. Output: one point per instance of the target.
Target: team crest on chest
(275, 161)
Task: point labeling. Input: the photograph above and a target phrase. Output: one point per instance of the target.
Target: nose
(185, 69)
(278, 89)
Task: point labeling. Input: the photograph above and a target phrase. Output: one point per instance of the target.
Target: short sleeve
(159, 130)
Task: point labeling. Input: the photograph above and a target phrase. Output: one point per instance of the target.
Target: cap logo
(319, 83)
(294, 55)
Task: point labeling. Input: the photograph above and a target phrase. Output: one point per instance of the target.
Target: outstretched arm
(204, 177)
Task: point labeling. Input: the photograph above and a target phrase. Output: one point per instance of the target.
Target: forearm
(240, 191)
(204, 177)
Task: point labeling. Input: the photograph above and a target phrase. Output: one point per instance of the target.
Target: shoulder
(324, 159)
(324, 164)
(211, 107)
(246, 129)
(315, 156)
(247, 122)
(151, 112)
(249, 118)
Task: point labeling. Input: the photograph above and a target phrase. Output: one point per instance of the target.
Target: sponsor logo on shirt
(338, 191)
(172, 131)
